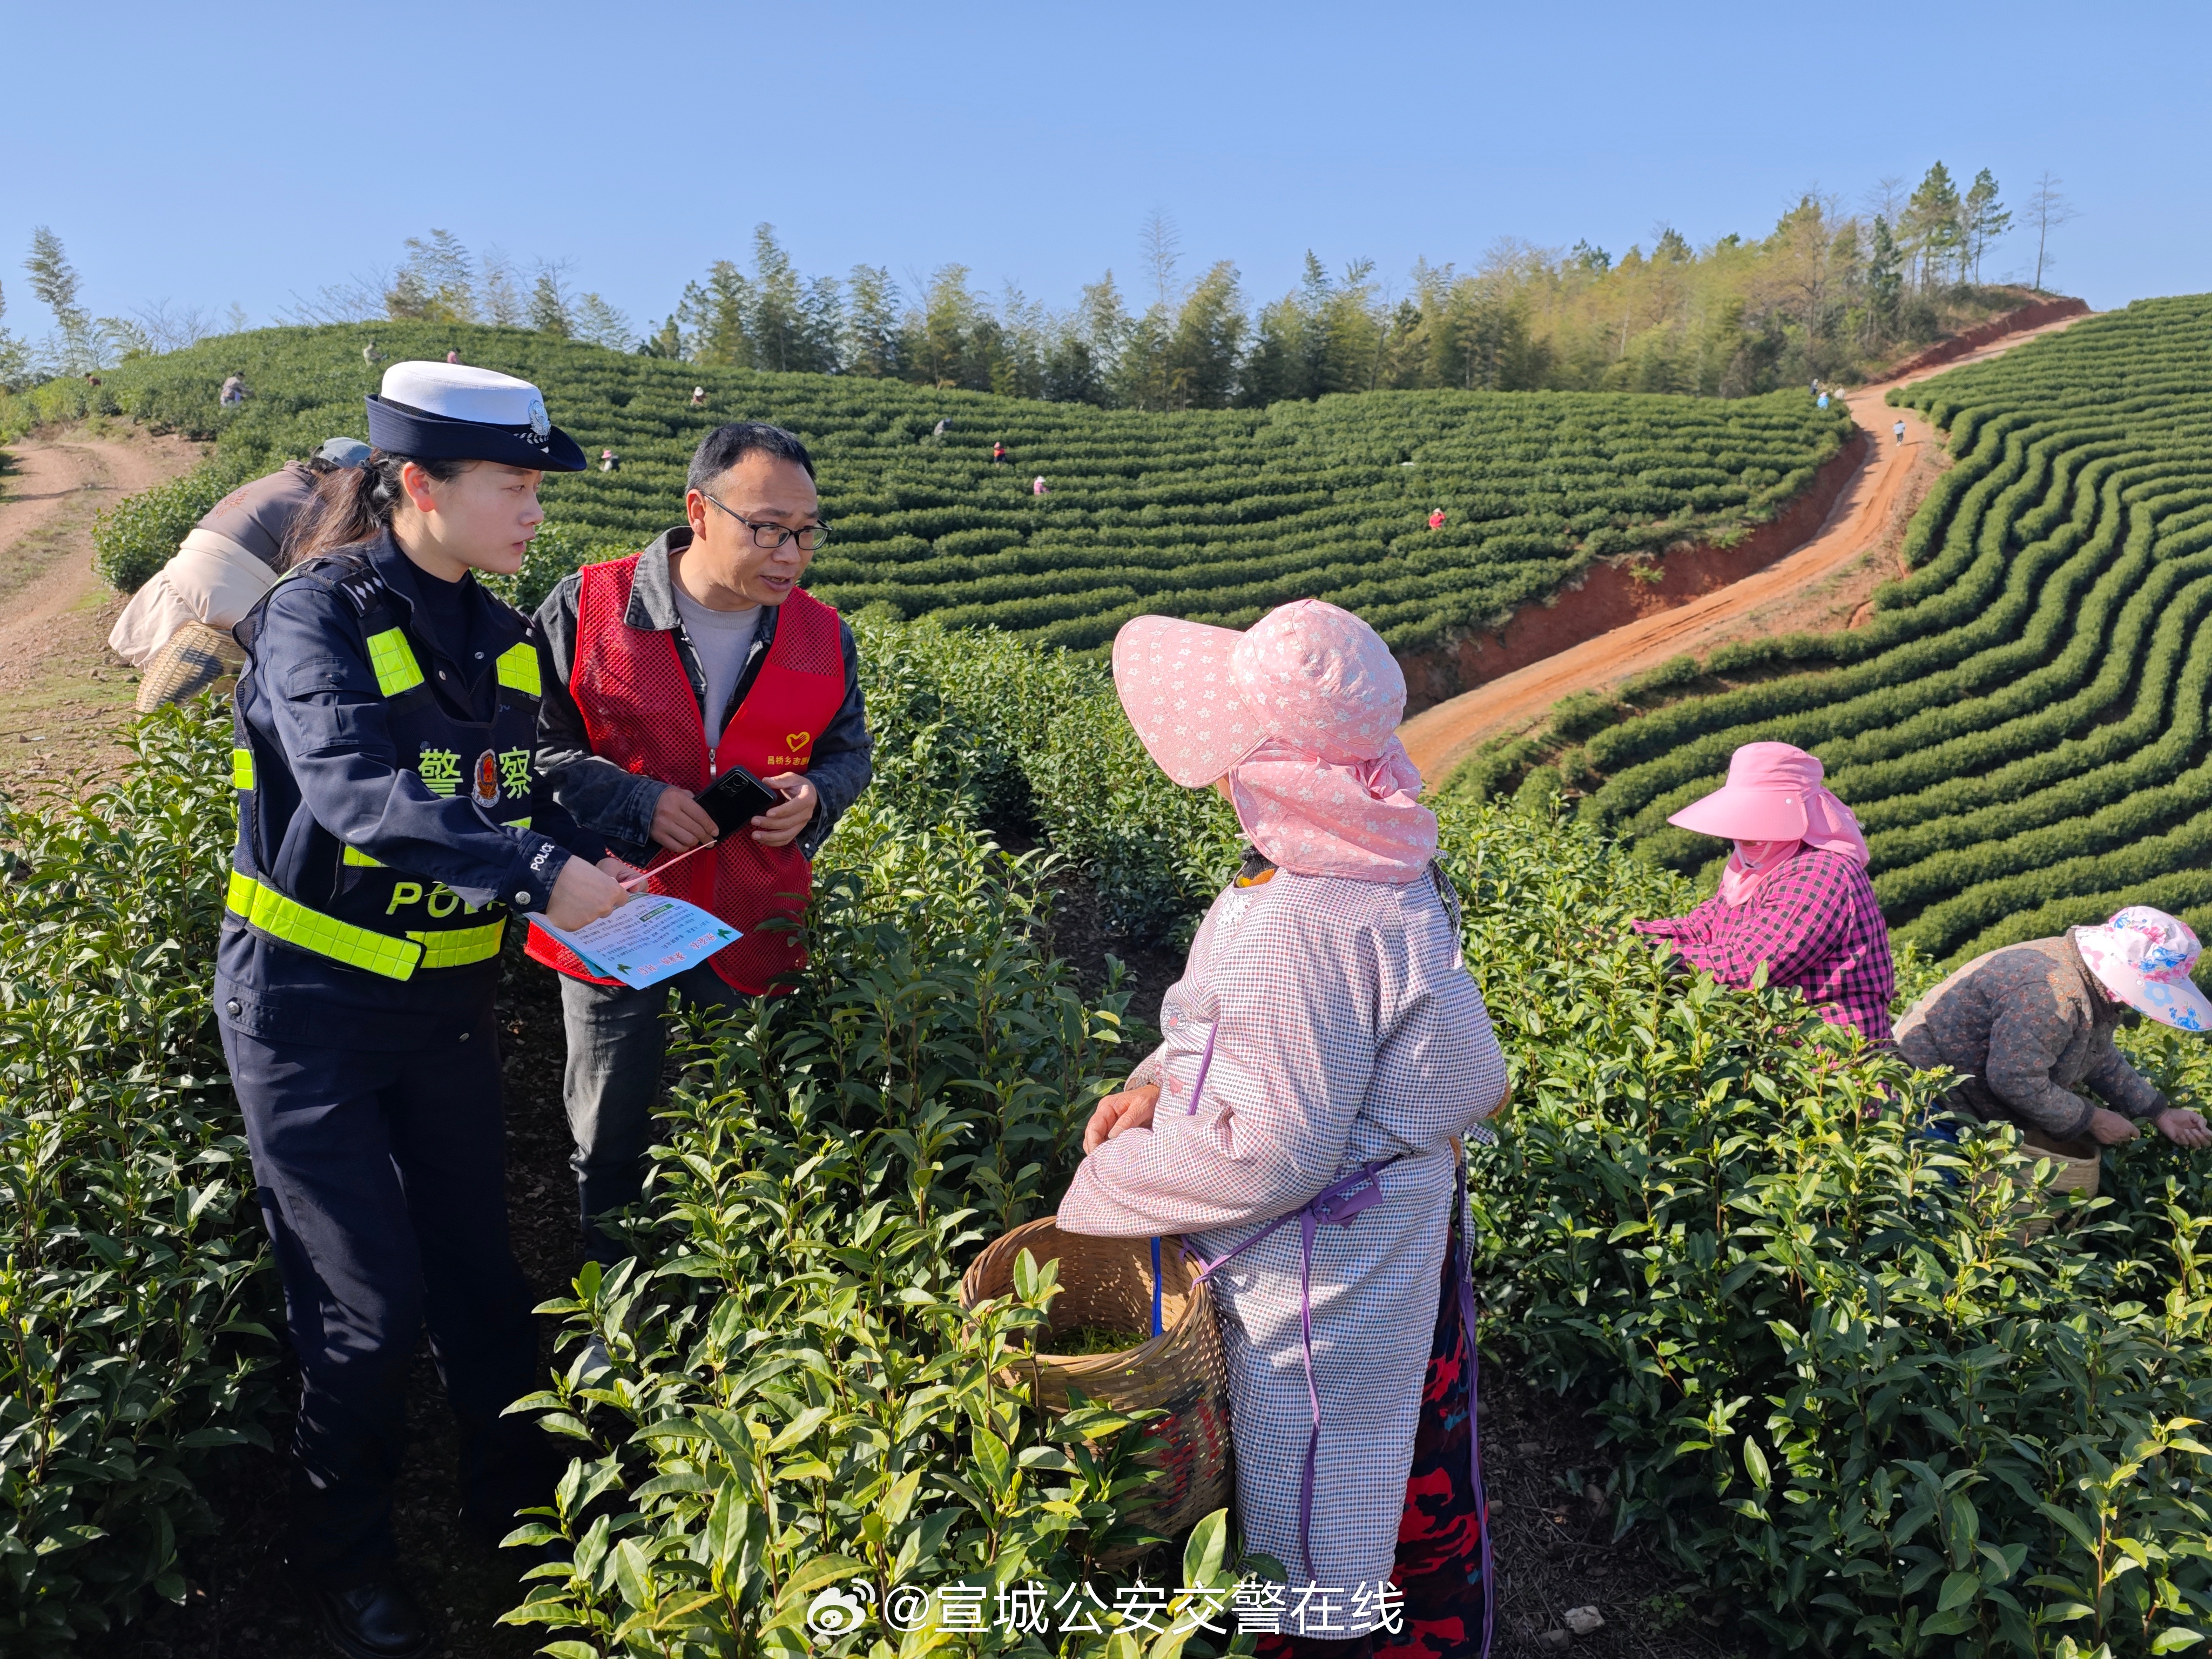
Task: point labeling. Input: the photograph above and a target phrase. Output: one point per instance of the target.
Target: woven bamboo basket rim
(1184, 1354)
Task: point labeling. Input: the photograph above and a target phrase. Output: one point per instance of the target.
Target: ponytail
(355, 504)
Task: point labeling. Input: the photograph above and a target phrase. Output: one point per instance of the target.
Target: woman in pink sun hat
(1323, 1049)
(2029, 1028)
(1793, 896)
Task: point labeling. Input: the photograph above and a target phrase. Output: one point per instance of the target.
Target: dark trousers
(617, 1042)
(380, 1178)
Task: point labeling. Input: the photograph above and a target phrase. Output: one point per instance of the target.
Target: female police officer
(389, 821)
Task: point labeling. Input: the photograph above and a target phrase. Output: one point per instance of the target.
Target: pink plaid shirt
(1815, 924)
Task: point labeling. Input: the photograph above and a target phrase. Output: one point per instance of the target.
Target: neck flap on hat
(1362, 820)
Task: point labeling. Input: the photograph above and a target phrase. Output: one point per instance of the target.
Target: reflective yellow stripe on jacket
(360, 947)
(326, 936)
(457, 947)
(393, 659)
(517, 670)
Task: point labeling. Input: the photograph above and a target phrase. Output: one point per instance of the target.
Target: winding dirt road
(62, 694)
(1868, 516)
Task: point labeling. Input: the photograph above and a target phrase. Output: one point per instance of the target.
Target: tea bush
(1853, 1398)
(2020, 726)
(795, 1396)
(135, 1292)
(1836, 1379)
(135, 538)
(1218, 514)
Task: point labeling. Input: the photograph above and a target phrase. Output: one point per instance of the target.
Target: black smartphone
(736, 799)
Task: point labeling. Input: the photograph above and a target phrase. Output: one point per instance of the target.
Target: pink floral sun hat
(2143, 957)
(1300, 713)
(1307, 673)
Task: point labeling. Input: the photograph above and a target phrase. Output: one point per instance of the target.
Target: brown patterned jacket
(2029, 1026)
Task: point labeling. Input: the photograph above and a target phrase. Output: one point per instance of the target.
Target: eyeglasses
(773, 536)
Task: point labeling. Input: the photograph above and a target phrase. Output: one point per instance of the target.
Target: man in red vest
(662, 670)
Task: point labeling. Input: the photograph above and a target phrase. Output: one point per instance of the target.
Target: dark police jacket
(390, 811)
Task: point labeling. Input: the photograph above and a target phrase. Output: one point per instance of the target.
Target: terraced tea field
(1213, 514)
(2022, 728)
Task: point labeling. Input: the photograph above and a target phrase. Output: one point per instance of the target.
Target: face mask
(1756, 855)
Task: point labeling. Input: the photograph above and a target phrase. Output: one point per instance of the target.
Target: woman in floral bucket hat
(1793, 896)
(1322, 1049)
(2030, 1026)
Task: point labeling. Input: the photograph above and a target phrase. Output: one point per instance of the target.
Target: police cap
(455, 412)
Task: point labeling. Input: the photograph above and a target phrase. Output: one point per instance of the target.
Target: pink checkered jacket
(1346, 1029)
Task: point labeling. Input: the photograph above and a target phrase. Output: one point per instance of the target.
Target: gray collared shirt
(619, 804)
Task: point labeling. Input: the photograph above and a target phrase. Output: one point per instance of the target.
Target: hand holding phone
(734, 800)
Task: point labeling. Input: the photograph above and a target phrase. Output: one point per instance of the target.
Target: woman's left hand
(1130, 1110)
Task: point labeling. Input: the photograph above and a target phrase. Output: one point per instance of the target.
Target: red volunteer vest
(640, 713)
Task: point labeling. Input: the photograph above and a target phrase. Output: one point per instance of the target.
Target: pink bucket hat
(1774, 793)
(1307, 673)
(2143, 957)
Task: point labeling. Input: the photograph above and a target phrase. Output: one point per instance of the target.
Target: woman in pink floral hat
(1793, 896)
(2029, 1028)
(1322, 1050)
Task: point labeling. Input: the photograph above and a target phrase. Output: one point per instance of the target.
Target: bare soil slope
(62, 695)
(1825, 583)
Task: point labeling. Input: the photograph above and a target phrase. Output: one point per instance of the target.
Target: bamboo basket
(2078, 1163)
(1108, 1282)
(196, 658)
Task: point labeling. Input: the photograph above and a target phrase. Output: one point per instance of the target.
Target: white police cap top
(460, 391)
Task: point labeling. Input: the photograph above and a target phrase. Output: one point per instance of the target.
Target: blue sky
(232, 153)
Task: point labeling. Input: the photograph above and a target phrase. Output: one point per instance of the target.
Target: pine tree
(550, 312)
(1885, 280)
(1985, 219)
(600, 324)
(436, 282)
(1929, 228)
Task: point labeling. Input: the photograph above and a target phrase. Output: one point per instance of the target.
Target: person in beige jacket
(177, 627)
(2029, 1028)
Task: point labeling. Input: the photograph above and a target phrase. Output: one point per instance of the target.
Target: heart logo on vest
(796, 741)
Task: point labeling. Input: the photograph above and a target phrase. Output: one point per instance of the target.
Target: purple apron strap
(1463, 1269)
(1333, 1206)
(1205, 1065)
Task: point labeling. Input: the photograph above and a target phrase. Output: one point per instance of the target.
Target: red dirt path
(1889, 476)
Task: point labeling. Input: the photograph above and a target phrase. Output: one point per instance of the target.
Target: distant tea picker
(177, 627)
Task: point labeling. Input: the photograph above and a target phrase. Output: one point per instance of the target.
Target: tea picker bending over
(2030, 1026)
(1323, 1048)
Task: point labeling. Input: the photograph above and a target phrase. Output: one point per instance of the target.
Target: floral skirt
(1441, 1566)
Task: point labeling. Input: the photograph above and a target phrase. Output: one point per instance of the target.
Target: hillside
(1216, 514)
(2022, 726)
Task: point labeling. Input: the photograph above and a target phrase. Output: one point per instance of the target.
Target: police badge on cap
(453, 412)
